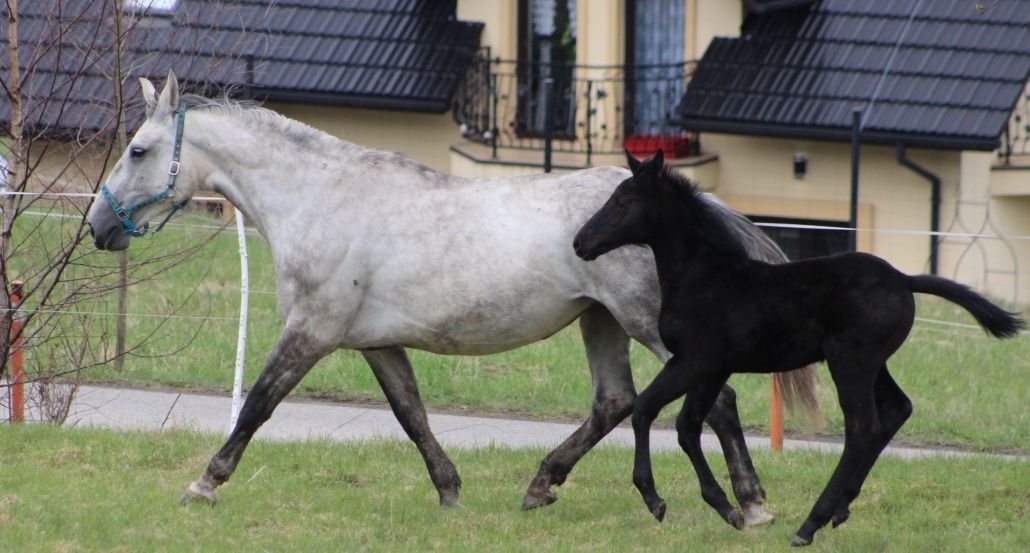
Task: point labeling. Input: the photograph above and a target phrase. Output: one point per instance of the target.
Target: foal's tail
(995, 320)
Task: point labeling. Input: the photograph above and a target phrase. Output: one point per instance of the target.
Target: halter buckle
(173, 168)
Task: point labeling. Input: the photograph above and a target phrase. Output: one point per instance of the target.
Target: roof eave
(838, 134)
(395, 103)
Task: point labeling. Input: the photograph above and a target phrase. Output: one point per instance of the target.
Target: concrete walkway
(129, 409)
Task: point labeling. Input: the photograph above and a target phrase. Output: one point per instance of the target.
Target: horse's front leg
(292, 358)
(395, 375)
(747, 488)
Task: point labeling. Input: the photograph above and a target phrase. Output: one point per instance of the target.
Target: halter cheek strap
(124, 213)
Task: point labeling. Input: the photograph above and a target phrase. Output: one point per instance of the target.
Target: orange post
(17, 357)
(776, 418)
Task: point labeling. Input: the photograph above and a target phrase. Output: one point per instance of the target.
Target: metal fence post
(17, 353)
(548, 121)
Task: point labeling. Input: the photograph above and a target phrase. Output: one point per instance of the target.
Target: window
(547, 49)
(151, 7)
(802, 243)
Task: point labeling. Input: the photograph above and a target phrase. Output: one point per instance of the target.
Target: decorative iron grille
(501, 103)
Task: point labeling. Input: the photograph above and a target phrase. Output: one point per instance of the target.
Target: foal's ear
(657, 162)
(635, 165)
(149, 95)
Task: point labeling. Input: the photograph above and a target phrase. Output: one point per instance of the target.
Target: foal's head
(655, 201)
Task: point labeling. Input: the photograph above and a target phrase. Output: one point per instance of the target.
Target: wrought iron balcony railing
(595, 109)
(1015, 139)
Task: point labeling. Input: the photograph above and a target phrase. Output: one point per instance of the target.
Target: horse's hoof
(659, 510)
(535, 499)
(840, 518)
(197, 495)
(449, 499)
(798, 541)
(736, 519)
(755, 515)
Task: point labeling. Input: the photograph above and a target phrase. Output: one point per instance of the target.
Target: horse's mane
(266, 120)
(708, 219)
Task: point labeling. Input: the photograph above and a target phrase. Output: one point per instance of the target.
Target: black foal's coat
(724, 313)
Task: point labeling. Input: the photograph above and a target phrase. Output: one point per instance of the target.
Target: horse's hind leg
(395, 375)
(894, 408)
(607, 346)
(292, 358)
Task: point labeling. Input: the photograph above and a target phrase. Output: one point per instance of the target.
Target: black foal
(723, 313)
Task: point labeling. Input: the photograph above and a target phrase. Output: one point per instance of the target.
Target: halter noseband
(124, 214)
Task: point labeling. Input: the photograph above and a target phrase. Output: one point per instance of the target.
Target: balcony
(595, 112)
(1015, 139)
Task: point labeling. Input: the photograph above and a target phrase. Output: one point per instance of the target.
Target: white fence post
(241, 340)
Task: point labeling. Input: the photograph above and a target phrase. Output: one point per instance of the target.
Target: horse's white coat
(373, 249)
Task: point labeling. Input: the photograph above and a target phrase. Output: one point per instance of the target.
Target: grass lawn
(79, 490)
(968, 390)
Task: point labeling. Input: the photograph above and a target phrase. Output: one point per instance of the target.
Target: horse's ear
(149, 95)
(635, 165)
(169, 99)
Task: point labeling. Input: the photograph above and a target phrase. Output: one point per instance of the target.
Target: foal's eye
(136, 152)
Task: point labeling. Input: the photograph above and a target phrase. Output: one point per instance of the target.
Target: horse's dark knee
(615, 407)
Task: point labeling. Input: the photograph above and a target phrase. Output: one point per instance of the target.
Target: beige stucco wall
(756, 176)
(999, 263)
(711, 18)
(422, 136)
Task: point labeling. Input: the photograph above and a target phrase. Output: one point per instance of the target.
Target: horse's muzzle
(107, 232)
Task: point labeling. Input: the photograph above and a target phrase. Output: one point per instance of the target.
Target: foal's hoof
(534, 499)
(798, 541)
(659, 510)
(736, 519)
(195, 494)
(840, 518)
(755, 515)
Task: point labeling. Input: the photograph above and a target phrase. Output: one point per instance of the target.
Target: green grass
(968, 390)
(78, 490)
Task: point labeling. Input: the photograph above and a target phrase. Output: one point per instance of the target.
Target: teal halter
(124, 214)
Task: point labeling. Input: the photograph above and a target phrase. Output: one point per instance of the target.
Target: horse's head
(624, 218)
(148, 181)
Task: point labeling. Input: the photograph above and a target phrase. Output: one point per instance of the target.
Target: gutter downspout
(935, 201)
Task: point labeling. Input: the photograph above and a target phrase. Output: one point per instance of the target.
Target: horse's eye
(621, 201)
(136, 152)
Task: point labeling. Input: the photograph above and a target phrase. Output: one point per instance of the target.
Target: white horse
(376, 252)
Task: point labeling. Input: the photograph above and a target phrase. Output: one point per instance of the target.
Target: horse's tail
(995, 320)
(798, 387)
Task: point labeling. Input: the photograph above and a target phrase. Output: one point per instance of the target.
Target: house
(766, 109)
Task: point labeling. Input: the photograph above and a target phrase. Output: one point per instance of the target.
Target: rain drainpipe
(935, 202)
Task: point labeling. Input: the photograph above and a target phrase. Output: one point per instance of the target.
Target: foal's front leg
(670, 384)
(700, 397)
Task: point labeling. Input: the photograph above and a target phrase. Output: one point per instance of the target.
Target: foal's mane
(706, 219)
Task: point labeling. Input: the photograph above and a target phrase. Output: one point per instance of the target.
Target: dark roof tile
(929, 73)
(401, 54)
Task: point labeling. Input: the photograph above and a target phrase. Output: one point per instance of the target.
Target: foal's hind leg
(292, 358)
(862, 432)
(894, 408)
(393, 371)
(607, 346)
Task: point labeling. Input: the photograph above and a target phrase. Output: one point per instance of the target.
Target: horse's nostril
(575, 244)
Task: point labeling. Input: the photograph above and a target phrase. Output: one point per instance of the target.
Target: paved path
(128, 409)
